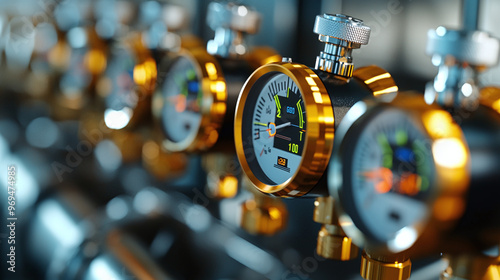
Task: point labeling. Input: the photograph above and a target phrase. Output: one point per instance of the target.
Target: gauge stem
(470, 13)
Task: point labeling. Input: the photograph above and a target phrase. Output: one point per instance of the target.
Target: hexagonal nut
(263, 219)
(220, 186)
(471, 266)
(129, 144)
(324, 210)
(372, 269)
(335, 247)
(160, 164)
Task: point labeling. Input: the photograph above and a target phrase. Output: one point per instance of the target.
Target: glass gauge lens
(121, 75)
(182, 94)
(77, 78)
(390, 173)
(276, 121)
(122, 97)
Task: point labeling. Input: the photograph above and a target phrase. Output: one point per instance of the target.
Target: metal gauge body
(287, 112)
(480, 221)
(128, 83)
(395, 168)
(86, 61)
(76, 85)
(190, 103)
(194, 104)
(285, 121)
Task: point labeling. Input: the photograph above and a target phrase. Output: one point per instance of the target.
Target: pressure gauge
(185, 116)
(279, 127)
(190, 103)
(194, 104)
(277, 121)
(127, 83)
(399, 171)
(76, 84)
(131, 76)
(287, 113)
(87, 60)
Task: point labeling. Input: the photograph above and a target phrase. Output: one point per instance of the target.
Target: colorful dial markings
(182, 94)
(390, 173)
(279, 127)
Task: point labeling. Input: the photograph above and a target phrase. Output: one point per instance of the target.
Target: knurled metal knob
(263, 215)
(341, 34)
(342, 27)
(233, 16)
(231, 22)
(460, 56)
(476, 48)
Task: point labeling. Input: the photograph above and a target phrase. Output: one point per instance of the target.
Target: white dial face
(77, 77)
(120, 72)
(391, 172)
(182, 94)
(278, 128)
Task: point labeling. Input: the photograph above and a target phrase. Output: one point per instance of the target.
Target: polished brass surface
(324, 210)
(191, 42)
(332, 241)
(262, 214)
(377, 80)
(471, 267)
(332, 245)
(490, 97)
(161, 164)
(129, 143)
(222, 181)
(59, 55)
(373, 269)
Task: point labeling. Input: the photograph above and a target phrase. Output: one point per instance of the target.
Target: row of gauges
(408, 175)
(399, 174)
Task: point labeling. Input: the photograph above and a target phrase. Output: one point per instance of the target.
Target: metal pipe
(470, 12)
